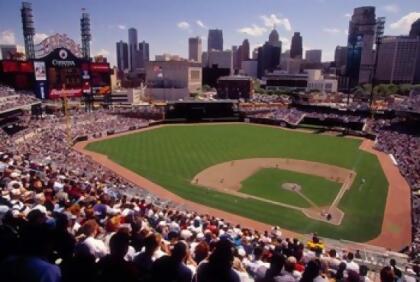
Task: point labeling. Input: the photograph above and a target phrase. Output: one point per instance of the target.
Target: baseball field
(280, 177)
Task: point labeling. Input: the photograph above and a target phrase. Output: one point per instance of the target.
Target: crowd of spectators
(345, 117)
(409, 104)
(394, 137)
(289, 115)
(295, 116)
(66, 218)
(11, 99)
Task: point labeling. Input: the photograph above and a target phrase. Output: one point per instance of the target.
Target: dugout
(202, 111)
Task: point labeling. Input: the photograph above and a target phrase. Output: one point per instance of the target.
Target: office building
(398, 60)
(143, 54)
(293, 65)
(215, 40)
(132, 49)
(296, 48)
(122, 55)
(340, 59)
(249, 68)
(280, 80)
(195, 49)
(7, 51)
(172, 80)
(168, 57)
(313, 56)
(236, 58)
(269, 55)
(316, 81)
(273, 38)
(245, 50)
(255, 54)
(268, 58)
(360, 55)
(235, 87)
(415, 29)
(220, 59)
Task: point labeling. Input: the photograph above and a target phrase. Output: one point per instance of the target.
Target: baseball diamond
(173, 157)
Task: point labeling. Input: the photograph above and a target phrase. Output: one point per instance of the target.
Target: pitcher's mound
(291, 186)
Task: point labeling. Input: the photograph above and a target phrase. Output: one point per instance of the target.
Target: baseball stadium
(243, 179)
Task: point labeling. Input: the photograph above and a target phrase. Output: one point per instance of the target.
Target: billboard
(69, 93)
(40, 70)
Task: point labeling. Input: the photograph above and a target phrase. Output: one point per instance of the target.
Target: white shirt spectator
(96, 247)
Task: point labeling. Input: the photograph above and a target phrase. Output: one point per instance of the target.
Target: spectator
(32, 264)
(172, 268)
(386, 274)
(313, 272)
(219, 265)
(113, 267)
(144, 260)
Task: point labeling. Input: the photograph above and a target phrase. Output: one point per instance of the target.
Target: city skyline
(170, 32)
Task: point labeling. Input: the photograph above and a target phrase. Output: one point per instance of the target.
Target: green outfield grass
(267, 183)
(172, 155)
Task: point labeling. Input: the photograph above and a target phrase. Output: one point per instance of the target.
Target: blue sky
(167, 24)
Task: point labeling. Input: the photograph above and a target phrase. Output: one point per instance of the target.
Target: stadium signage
(56, 93)
(58, 63)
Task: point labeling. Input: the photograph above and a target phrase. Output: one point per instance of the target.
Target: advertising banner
(41, 90)
(69, 93)
(40, 71)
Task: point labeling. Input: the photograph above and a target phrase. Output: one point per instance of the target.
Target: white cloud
(403, 25)
(254, 46)
(253, 30)
(331, 30)
(347, 15)
(183, 25)
(285, 43)
(38, 37)
(121, 26)
(20, 48)
(201, 24)
(273, 20)
(103, 52)
(7, 37)
(391, 8)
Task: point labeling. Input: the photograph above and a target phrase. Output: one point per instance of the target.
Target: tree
(405, 89)
(392, 89)
(205, 88)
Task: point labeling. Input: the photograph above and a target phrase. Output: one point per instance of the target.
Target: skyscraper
(313, 56)
(269, 54)
(398, 61)
(195, 49)
(296, 49)
(143, 54)
(415, 29)
(122, 55)
(215, 40)
(236, 58)
(273, 38)
(362, 29)
(245, 50)
(340, 59)
(132, 49)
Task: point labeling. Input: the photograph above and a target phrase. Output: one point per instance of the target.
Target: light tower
(86, 35)
(379, 34)
(28, 29)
